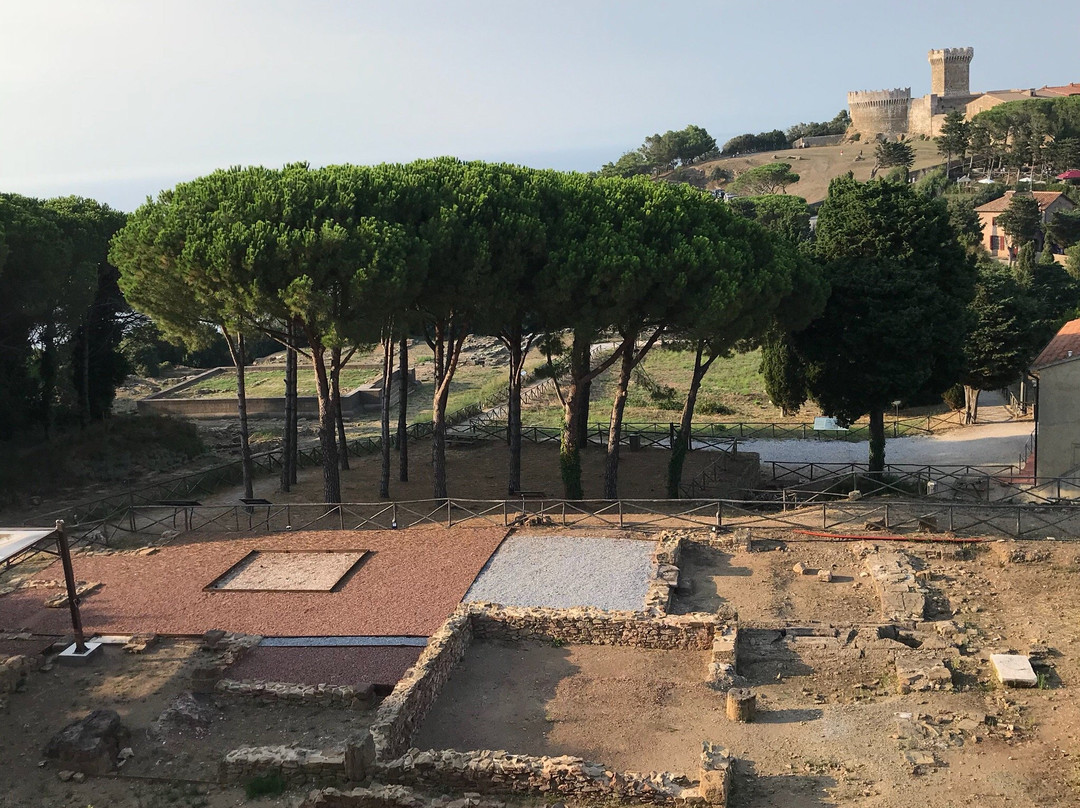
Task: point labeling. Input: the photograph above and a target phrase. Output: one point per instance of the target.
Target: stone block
(1014, 670)
(919, 673)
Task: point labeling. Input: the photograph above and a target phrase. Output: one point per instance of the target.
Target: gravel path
(407, 586)
(989, 443)
(560, 572)
(332, 666)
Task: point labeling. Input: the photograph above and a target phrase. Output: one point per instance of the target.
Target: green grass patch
(270, 382)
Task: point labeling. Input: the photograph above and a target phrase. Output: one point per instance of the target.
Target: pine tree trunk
(288, 437)
(618, 407)
(569, 450)
(236, 350)
(686, 422)
(513, 410)
(971, 404)
(580, 366)
(403, 411)
(877, 443)
(384, 414)
(327, 439)
(445, 365)
(335, 397)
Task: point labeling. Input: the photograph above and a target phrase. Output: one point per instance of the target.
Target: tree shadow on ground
(700, 568)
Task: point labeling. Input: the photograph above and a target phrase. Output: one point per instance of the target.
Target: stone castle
(895, 112)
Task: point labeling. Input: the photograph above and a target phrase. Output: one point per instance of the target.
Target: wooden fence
(1027, 521)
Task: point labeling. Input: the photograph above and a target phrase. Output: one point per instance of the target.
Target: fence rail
(1027, 521)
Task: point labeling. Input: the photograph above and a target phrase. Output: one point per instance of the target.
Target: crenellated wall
(883, 111)
(950, 71)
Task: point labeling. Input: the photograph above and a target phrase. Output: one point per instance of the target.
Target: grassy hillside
(817, 166)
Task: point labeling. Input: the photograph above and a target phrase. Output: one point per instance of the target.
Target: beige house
(994, 239)
(1057, 417)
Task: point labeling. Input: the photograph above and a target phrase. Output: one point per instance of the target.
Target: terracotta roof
(1044, 198)
(1064, 345)
(1008, 95)
(1064, 89)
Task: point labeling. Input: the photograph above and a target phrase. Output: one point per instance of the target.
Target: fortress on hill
(895, 112)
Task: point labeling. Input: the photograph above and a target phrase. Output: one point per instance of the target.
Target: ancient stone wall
(296, 766)
(588, 626)
(402, 711)
(921, 115)
(883, 111)
(497, 772)
(950, 71)
(320, 695)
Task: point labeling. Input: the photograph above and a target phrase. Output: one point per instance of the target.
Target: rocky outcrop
(91, 744)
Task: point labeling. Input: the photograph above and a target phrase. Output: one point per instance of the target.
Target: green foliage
(1021, 220)
(967, 224)
(765, 179)
(720, 174)
(1064, 228)
(788, 216)
(894, 324)
(663, 152)
(61, 313)
(837, 126)
(1035, 131)
(1005, 331)
(954, 397)
(954, 135)
(1072, 262)
(265, 785)
(784, 373)
(748, 143)
(894, 153)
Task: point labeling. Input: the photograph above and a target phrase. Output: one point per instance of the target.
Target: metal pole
(69, 581)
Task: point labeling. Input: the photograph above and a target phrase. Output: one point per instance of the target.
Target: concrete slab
(1014, 670)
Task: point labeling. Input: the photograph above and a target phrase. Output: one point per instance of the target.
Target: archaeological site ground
(532, 663)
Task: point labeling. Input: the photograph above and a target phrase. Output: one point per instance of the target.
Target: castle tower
(949, 71)
(884, 111)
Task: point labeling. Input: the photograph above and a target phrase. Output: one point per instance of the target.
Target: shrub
(709, 404)
(954, 397)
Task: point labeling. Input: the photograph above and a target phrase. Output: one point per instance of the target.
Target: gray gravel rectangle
(560, 572)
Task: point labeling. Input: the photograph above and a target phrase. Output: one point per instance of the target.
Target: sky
(118, 100)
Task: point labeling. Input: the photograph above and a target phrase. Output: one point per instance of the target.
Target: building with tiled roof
(1064, 89)
(1057, 417)
(994, 239)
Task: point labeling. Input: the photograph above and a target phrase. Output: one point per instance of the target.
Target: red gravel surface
(378, 665)
(407, 585)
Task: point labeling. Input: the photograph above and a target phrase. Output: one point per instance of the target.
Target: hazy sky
(117, 100)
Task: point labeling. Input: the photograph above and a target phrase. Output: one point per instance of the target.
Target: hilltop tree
(894, 154)
(895, 322)
(765, 179)
(954, 138)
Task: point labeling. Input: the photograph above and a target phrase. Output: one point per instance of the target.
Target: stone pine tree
(894, 326)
